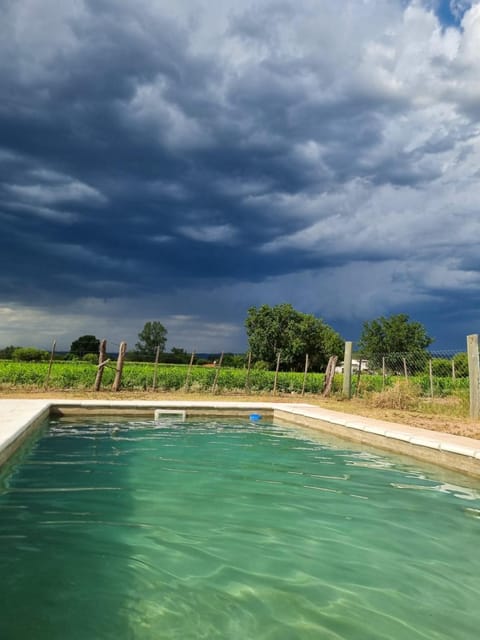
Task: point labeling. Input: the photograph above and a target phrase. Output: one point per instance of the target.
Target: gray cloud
(269, 152)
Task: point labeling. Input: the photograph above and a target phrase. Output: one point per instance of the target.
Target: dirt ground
(427, 420)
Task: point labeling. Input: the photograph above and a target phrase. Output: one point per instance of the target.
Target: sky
(184, 161)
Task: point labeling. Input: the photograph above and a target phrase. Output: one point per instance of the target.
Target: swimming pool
(222, 528)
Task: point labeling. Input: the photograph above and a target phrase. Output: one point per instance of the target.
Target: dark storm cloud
(147, 150)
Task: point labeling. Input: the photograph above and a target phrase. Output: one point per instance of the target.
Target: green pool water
(233, 530)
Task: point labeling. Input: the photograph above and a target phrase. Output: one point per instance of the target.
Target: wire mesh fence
(434, 373)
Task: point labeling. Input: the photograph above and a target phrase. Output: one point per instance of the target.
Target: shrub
(29, 354)
(261, 365)
(7, 352)
(402, 395)
(460, 361)
(441, 367)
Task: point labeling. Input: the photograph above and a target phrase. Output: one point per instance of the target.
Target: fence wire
(436, 373)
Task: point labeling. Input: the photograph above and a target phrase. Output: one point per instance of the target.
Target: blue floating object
(255, 416)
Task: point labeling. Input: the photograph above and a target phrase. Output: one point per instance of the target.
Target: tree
(7, 352)
(29, 354)
(283, 328)
(176, 355)
(393, 336)
(85, 344)
(234, 360)
(153, 335)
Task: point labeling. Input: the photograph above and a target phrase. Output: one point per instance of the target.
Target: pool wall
(20, 418)
(455, 453)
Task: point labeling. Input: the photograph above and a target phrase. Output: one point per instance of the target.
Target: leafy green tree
(29, 354)
(283, 328)
(152, 335)
(7, 352)
(83, 345)
(392, 336)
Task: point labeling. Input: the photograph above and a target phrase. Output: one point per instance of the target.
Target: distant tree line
(273, 332)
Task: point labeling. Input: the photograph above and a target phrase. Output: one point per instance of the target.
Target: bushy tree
(29, 354)
(283, 328)
(392, 336)
(90, 357)
(83, 345)
(152, 335)
(7, 352)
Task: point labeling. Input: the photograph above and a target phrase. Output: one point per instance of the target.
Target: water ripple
(133, 530)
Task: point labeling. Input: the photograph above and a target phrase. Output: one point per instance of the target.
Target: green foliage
(139, 376)
(83, 345)
(7, 352)
(461, 365)
(90, 357)
(234, 360)
(294, 334)
(441, 367)
(70, 356)
(392, 337)
(81, 375)
(152, 335)
(29, 354)
(175, 356)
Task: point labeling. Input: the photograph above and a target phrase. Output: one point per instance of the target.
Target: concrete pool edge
(19, 418)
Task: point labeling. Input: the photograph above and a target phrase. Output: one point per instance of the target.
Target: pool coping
(19, 418)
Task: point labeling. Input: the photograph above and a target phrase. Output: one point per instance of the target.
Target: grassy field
(140, 376)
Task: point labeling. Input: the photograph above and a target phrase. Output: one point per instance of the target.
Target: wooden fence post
(217, 373)
(384, 373)
(430, 373)
(155, 368)
(405, 370)
(329, 375)
(118, 371)
(347, 370)
(473, 375)
(276, 374)
(359, 375)
(249, 366)
(189, 371)
(52, 354)
(102, 360)
(305, 374)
